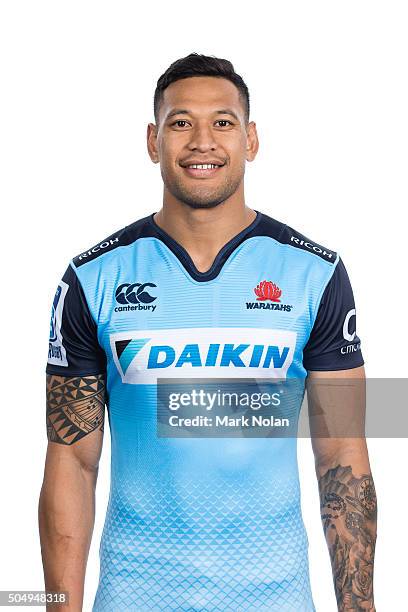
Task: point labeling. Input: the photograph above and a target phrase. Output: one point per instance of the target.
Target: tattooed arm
(75, 419)
(346, 487)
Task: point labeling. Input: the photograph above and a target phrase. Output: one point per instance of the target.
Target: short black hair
(196, 64)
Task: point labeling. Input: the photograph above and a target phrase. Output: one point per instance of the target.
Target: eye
(224, 121)
(179, 121)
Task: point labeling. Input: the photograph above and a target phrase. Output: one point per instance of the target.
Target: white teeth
(202, 166)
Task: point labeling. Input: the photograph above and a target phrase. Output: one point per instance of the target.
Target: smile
(201, 170)
(202, 166)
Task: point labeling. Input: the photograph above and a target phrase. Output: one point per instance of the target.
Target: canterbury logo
(267, 290)
(134, 293)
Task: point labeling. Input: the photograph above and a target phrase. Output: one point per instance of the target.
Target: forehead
(201, 95)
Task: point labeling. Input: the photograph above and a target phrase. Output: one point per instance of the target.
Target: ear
(252, 141)
(151, 138)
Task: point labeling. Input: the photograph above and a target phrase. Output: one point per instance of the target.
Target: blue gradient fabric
(201, 523)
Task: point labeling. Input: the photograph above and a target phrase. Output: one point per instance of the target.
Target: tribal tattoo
(349, 514)
(75, 407)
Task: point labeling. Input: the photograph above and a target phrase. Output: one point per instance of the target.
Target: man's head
(201, 109)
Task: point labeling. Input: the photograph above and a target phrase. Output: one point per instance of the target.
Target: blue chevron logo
(126, 350)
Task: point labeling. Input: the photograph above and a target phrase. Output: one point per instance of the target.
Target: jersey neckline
(223, 254)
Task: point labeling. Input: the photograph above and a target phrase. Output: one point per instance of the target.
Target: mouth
(202, 170)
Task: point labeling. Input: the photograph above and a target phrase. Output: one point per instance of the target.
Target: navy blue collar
(182, 255)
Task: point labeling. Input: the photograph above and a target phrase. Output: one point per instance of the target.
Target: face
(202, 121)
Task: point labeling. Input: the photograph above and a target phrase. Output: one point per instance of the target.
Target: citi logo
(142, 357)
(268, 297)
(134, 296)
(349, 336)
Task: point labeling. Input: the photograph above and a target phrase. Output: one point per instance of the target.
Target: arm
(75, 418)
(346, 487)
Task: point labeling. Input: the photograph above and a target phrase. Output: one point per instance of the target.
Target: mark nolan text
(226, 421)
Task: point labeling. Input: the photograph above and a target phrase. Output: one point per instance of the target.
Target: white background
(328, 84)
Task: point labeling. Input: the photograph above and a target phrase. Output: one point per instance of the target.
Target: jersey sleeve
(73, 349)
(333, 343)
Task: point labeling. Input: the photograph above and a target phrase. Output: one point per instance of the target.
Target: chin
(204, 199)
(203, 196)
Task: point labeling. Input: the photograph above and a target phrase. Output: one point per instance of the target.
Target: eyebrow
(183, 111)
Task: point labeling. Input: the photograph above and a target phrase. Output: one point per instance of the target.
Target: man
(205, 288)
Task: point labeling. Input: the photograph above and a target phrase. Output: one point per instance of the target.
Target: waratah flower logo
(267, 290)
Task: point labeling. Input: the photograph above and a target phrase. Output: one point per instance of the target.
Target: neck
(203, 232)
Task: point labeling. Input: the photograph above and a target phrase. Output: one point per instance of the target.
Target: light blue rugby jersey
(201, 523)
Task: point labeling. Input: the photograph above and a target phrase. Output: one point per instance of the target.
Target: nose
(202, 139)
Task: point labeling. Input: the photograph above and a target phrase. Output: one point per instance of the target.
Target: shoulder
(286, 235)
(122, 237)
